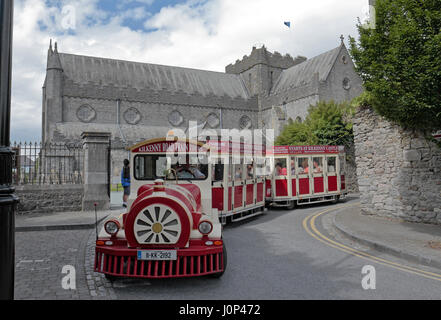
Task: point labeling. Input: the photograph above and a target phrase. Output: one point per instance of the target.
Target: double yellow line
(310, 227)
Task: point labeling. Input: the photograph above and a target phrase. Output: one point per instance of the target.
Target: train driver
(196, 172)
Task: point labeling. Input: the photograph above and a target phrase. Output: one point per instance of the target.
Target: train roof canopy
(295, 150)
(164, 145)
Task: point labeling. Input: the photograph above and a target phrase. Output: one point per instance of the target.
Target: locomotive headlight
(112, 227)
(205, 227)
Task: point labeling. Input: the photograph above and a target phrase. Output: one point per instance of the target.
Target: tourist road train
(183, 191)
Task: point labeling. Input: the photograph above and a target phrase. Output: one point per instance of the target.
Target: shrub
(400, 62)
(327, 123)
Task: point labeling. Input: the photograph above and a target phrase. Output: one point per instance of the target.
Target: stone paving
(99, 287)
(40, 258)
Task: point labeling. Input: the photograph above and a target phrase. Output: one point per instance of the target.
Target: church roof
(302, 74)
(103, 71)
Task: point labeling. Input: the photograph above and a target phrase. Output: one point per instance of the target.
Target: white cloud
(146, 2)
(198, 34)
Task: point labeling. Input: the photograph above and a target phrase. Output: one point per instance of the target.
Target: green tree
(400, 62)
(295, 133)
(327, 123)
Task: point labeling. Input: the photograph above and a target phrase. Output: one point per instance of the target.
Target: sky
(201, 34)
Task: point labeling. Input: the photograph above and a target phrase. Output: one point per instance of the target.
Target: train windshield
(183, 167)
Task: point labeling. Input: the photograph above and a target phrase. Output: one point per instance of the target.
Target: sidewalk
(41, 256)
(61, 221)
(412, 241)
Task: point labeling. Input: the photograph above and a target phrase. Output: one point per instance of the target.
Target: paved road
(274, 257)
(280, 255)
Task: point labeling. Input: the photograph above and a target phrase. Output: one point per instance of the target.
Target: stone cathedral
(136, 101)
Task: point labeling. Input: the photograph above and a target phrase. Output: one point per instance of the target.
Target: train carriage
(305, 174)
(238, 188)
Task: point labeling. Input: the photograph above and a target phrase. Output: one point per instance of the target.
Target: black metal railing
(48, 163)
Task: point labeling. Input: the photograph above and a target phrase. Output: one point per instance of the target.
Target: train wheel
(337, 198)
(220, 274)
(291, 205)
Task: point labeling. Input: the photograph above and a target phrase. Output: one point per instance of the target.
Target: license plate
(157, 255)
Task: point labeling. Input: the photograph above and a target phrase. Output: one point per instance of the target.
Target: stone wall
(351, 170)
(140, 121)
(49, 198)
(399, 171)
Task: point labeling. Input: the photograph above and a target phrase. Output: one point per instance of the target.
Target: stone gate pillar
(95, 146)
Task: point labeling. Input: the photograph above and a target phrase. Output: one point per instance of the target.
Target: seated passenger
(277, 168)
(238, 174)
(250, 174)
(293, 167)
(280, 171)
(283, 172)
(305, 166)
(317, 168)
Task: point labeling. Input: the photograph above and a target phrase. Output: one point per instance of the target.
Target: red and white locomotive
(173, 227)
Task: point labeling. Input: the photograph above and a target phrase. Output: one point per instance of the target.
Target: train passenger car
(170, 229)
(305, 174)
(238, 180)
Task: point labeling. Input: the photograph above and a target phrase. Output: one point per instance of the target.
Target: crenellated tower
(261, 69)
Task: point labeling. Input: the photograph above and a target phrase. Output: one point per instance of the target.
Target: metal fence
(49, 163)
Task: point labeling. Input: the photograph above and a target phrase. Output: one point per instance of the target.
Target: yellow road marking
(315, 233)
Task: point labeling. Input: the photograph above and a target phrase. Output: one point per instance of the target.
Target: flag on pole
(287, 23)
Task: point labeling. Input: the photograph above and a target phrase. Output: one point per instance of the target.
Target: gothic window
(86, 113)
